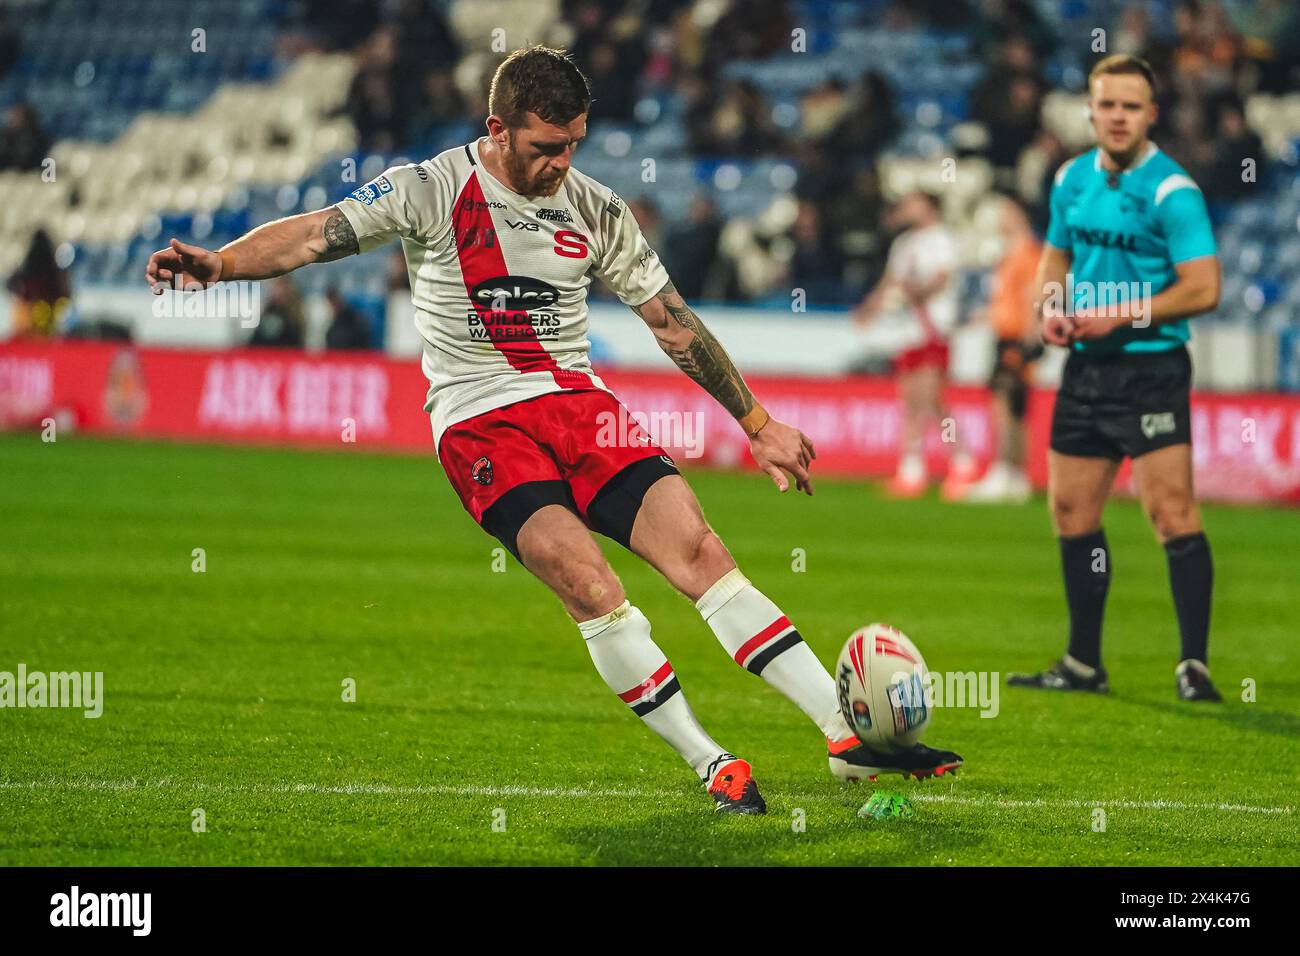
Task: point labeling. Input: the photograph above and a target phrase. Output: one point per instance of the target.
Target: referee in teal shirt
(1129, 258)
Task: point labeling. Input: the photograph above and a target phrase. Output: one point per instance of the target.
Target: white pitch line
(344, 789)
(1075, 804)
(584, 793)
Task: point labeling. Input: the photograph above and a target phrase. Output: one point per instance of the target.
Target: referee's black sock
(1191, 578)
(1085, 564)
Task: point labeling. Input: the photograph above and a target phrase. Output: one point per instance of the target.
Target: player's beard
(543, 184)
(547, 185)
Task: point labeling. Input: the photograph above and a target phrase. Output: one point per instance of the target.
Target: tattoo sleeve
(340, 239)
(703, 358)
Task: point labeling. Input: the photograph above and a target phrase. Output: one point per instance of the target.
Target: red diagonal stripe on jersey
(479, 250)
(761, 638)
(647, 686)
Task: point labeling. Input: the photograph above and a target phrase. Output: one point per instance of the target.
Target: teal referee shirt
(1124, 237)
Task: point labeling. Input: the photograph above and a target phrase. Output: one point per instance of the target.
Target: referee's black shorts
(1123, 405)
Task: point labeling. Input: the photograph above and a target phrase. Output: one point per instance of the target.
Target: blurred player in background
(41, 290)
(1011, 313)
(1130, 230)
(918, 290)
(502, 238)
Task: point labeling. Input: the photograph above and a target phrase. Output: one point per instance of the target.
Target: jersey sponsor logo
(513, 308)
(371, 191)
(421, 172)
(514, 293)
(481, 471)
(520, 224)
(1106, 238)
(478, 205)
(554, 215)
(571, 245)
(1159, 423)
(614, 208)
(499, 327)
(476, 236)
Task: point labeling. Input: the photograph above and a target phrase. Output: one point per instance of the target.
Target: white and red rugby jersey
(499, 280)
(920, 255)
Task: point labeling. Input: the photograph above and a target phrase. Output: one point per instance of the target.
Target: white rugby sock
(638, 672)
(762, 640)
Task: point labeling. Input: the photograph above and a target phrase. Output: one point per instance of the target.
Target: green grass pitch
(481, 734)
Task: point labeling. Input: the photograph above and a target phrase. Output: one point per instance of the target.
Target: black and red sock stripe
(652, 692)
(765, 646)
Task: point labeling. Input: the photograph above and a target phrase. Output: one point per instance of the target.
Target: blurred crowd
(23, 144)
(41, 295)
(1205, 64)
(411, 78)
(416, 74)
(282, 322)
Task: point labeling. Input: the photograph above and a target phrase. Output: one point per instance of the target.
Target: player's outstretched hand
(780, 446)
(182, 266)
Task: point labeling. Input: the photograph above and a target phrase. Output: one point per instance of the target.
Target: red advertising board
(1247, 447)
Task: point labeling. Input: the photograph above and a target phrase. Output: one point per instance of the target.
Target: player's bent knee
(585, 584)
(556, 547)
(694, 559)
(709, 561)
(592, 593)
(1174, 516)
(1072, 518)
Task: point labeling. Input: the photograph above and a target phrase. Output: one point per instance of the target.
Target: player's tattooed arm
(688, 342)
(270, 250)
(777, 447)
(340, 238)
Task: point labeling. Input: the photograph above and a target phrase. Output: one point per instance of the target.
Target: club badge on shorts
(1161, 423)
(481, 471)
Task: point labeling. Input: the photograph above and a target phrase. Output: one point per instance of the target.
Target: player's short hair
(538, 79)
(1118, 64)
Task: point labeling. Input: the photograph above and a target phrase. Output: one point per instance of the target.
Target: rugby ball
(881, 682)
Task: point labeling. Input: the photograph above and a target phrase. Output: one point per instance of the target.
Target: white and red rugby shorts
(931, 354)
(577, 449)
